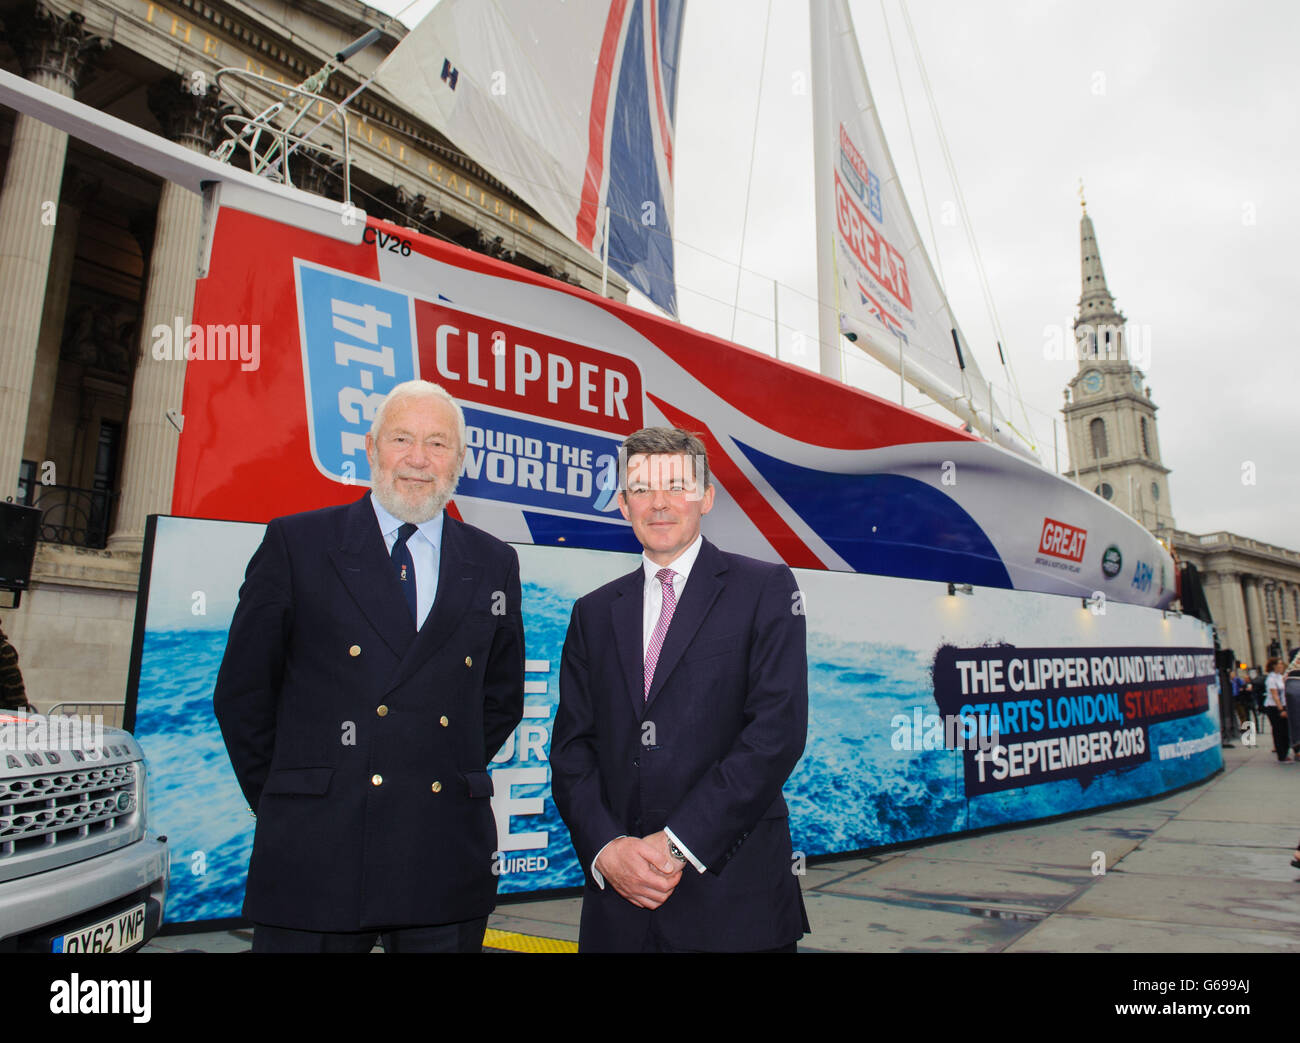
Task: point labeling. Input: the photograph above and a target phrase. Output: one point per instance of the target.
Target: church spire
(1096, 305)
(1109, 416)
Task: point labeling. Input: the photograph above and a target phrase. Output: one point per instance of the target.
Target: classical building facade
(95, 252)
(1252, 588)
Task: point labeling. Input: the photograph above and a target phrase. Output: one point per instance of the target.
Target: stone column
(1234, 618)
(54, 51)
(1287, 618)
(1258, 636)
(77, 189)
(149, 464)
(1215, 597)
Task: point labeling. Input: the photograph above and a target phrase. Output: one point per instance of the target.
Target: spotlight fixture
(960, 588)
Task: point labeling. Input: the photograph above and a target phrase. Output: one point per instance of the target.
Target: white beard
(415, 513)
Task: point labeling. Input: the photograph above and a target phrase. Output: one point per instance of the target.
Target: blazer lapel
(703, 586)
(366, 570)
(625, 613)
(458, 581)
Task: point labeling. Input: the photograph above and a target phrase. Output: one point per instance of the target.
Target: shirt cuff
(595, 873)
(699, 866)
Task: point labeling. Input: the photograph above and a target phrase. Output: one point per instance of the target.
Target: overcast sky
(1181, 119)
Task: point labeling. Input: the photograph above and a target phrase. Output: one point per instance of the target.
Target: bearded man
(374, 666)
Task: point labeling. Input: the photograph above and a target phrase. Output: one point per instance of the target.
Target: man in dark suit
(375, 664)
(683, 710)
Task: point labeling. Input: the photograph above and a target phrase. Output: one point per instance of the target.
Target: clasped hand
(641, 869)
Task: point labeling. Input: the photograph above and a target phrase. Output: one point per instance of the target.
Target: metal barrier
(78, 517)
(112, 712)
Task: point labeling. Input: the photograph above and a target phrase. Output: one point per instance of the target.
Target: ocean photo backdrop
(872, 642)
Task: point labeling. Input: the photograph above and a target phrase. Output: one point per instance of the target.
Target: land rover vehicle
(79, 871)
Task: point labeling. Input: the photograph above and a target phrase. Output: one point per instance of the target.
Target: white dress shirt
(653, 603)
(651, 606)
(425, 546)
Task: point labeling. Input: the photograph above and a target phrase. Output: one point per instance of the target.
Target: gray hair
(419, 389)
(669, 441)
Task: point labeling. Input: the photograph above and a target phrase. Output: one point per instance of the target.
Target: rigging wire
(848, 356)
(916, 156)
(734, 305)
(967, 225)
(753, 149)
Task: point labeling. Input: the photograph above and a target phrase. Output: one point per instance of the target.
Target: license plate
(112, 935)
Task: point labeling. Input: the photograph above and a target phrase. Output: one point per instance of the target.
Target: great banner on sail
(571, 105)
(884, 283)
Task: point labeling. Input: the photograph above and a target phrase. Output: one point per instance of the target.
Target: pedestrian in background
(13, 693)
(1241, 700)
(1291, 690)
(1275, 707)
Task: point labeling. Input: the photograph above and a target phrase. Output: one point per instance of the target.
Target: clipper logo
(361, 339)
(481, 360)
(1062, 541)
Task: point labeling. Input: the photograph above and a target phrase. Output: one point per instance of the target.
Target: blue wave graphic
(851, 790)
(923, 534)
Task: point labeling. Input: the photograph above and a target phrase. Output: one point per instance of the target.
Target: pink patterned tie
(665, 578)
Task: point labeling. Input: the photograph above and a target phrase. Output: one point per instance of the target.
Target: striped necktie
(665, 578)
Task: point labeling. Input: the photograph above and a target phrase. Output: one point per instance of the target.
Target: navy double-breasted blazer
(705, 754)
(361, 745)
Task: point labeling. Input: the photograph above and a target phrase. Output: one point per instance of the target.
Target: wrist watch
(676, 852)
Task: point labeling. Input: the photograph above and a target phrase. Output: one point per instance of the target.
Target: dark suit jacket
(705, 755)
(361, 745)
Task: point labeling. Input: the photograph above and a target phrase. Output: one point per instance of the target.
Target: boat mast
(828, 312)
(825, 18)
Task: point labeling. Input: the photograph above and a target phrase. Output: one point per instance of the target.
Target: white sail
(875, 281)
(569, 104)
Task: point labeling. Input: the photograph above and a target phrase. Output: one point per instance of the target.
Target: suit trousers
(1281, 731)
(465, 936)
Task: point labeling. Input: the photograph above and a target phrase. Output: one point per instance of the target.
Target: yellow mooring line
(512, 942)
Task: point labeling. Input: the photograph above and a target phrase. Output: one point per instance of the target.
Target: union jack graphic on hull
(553, 378)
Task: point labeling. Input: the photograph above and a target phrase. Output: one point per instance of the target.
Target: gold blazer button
(436, 787)
(469, 661)
(354, 651)
(376, 780)
(381, 710)
(443, 721)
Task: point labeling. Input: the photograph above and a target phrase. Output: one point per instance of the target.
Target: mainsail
(571, 105)
(875, 276)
